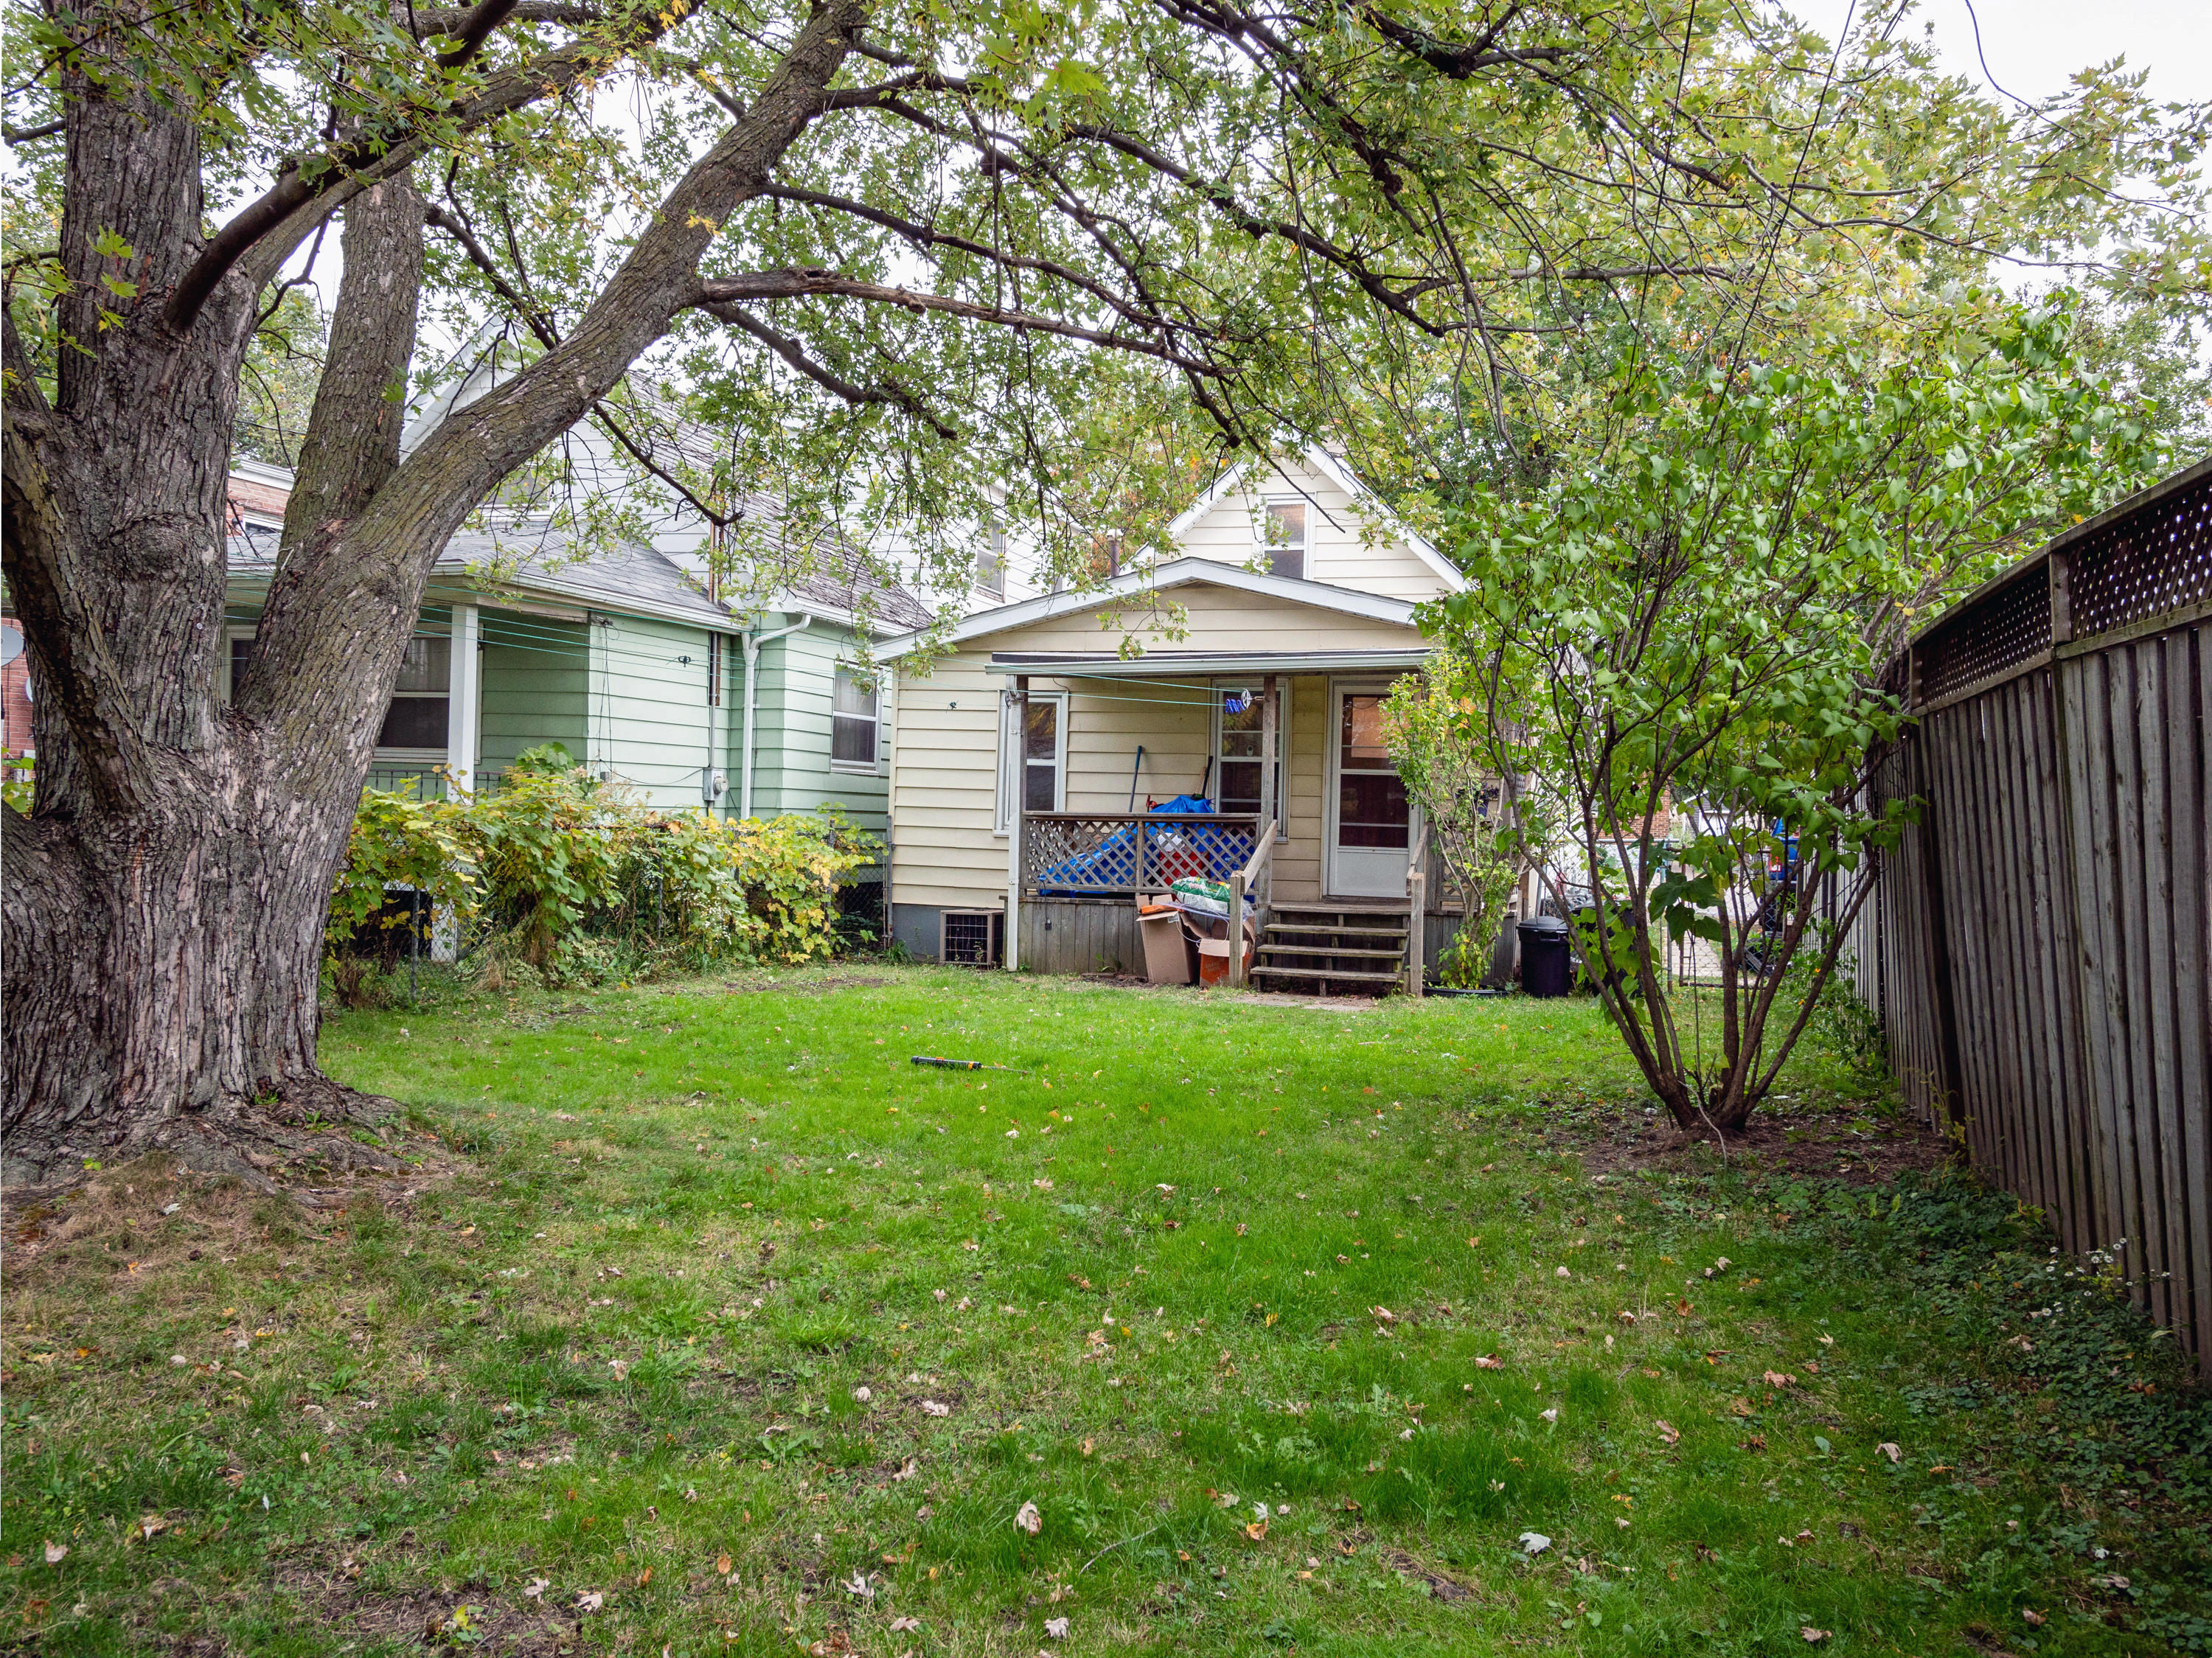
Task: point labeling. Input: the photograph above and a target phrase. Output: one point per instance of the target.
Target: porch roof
(1161, 665)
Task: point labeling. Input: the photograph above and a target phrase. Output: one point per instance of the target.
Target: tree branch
(792, 352)
(16, 135)
(268, 228)
(803, 284)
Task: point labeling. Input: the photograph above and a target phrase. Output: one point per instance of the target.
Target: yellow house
(1244, 675)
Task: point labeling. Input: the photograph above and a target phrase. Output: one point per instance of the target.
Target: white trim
(1013, 764)
(464, 687)
(1161, 665)
(1178, 573)
(1257, 684)
(1332, 791)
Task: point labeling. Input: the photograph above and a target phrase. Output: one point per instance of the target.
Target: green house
(623, 660)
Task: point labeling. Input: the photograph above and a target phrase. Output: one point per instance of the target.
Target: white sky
(2032, 46)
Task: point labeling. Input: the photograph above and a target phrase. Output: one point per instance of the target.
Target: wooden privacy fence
(2037, 947)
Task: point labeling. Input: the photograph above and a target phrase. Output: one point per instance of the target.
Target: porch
(1276, 784)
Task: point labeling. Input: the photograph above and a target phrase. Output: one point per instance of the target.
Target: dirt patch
(151, 1214)
(431, 1616)
(1841, 1145)
(795, 986)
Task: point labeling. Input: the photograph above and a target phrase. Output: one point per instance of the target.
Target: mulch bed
(1817, 1145)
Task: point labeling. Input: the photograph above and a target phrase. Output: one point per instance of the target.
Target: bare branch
(16, 135)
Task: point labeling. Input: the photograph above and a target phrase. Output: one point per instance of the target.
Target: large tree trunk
(164, 902)
(162, 975)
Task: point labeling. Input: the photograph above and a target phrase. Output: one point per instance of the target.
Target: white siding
(1349, 544)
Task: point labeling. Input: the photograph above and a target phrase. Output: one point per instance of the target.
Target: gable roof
(1330, 467)
(1178, 573)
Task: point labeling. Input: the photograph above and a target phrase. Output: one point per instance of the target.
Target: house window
(416, 716)
(852, 723)
(1033, 756)
(1286, 538)
(1239, 737)
(991, 567)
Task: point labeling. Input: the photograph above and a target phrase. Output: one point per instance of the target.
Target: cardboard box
(1167, 958)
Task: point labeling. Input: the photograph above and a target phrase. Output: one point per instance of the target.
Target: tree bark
(165, 900)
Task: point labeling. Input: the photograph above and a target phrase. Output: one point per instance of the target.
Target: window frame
(1263, 529)
(1013, 763)
(1282, 744)
(845, 670)
(994, 558)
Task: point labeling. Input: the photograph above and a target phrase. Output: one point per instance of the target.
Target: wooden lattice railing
(1080, 855)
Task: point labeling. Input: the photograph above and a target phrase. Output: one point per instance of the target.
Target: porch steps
(1351, 946)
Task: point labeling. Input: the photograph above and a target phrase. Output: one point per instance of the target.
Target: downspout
(754, 639)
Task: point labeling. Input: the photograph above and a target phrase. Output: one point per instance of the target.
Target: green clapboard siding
(791, 753)
(646, 716)
(536, 673)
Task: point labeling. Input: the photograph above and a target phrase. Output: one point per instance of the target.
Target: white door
(1370, 821)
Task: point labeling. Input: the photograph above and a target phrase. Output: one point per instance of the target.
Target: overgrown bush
(579, 879)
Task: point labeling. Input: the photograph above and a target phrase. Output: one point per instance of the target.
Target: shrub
(579, 879)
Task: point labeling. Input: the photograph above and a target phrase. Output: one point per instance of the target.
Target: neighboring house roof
(1177, 573)
(1332, 468)
(626, 577)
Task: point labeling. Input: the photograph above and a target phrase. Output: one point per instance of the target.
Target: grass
(705, 1301)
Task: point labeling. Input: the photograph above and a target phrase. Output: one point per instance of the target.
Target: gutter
(754, 639)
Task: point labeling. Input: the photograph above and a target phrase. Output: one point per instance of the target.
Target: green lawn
(710, 1310)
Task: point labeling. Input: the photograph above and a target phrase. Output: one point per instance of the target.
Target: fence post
(1416, 890)
(1236, 931)
(1019, 784)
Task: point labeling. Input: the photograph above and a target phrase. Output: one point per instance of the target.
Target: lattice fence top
(2145, 564)
(2151, 560)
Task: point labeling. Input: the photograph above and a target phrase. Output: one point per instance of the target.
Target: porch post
(465, 679)
(1019, 784)
(1271, 730)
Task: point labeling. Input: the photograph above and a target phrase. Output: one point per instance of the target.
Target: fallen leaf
(1534, 1542)
(590, 1600)
(1668, 1432)
(905, 1471)
(859, 1586)
(1088, 1445)
(2035, 1620)
(1489, 1362)
(1029, 1520)
(1889, 1450)
(1777, 1379)
(931, 1407)
(1055, 1629)
(1740, 1406)
(1257, 1531)
(55, 1552)
(1814, 1637)
(1384, 1314)
(1550, 1415)
(536, 1588)
(151, 1523)
(906, 1625)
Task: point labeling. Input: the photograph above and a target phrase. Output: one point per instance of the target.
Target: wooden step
(1330, 951)
(1332, 976)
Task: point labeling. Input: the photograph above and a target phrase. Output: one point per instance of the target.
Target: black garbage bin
(1546, 968)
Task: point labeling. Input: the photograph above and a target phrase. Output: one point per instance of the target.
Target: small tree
(1688, 609)
(1487, 832)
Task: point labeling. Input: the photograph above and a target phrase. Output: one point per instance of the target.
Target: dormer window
(1286, 525)
(991, 567)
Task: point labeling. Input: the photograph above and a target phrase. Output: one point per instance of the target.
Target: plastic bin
(1546, 964)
